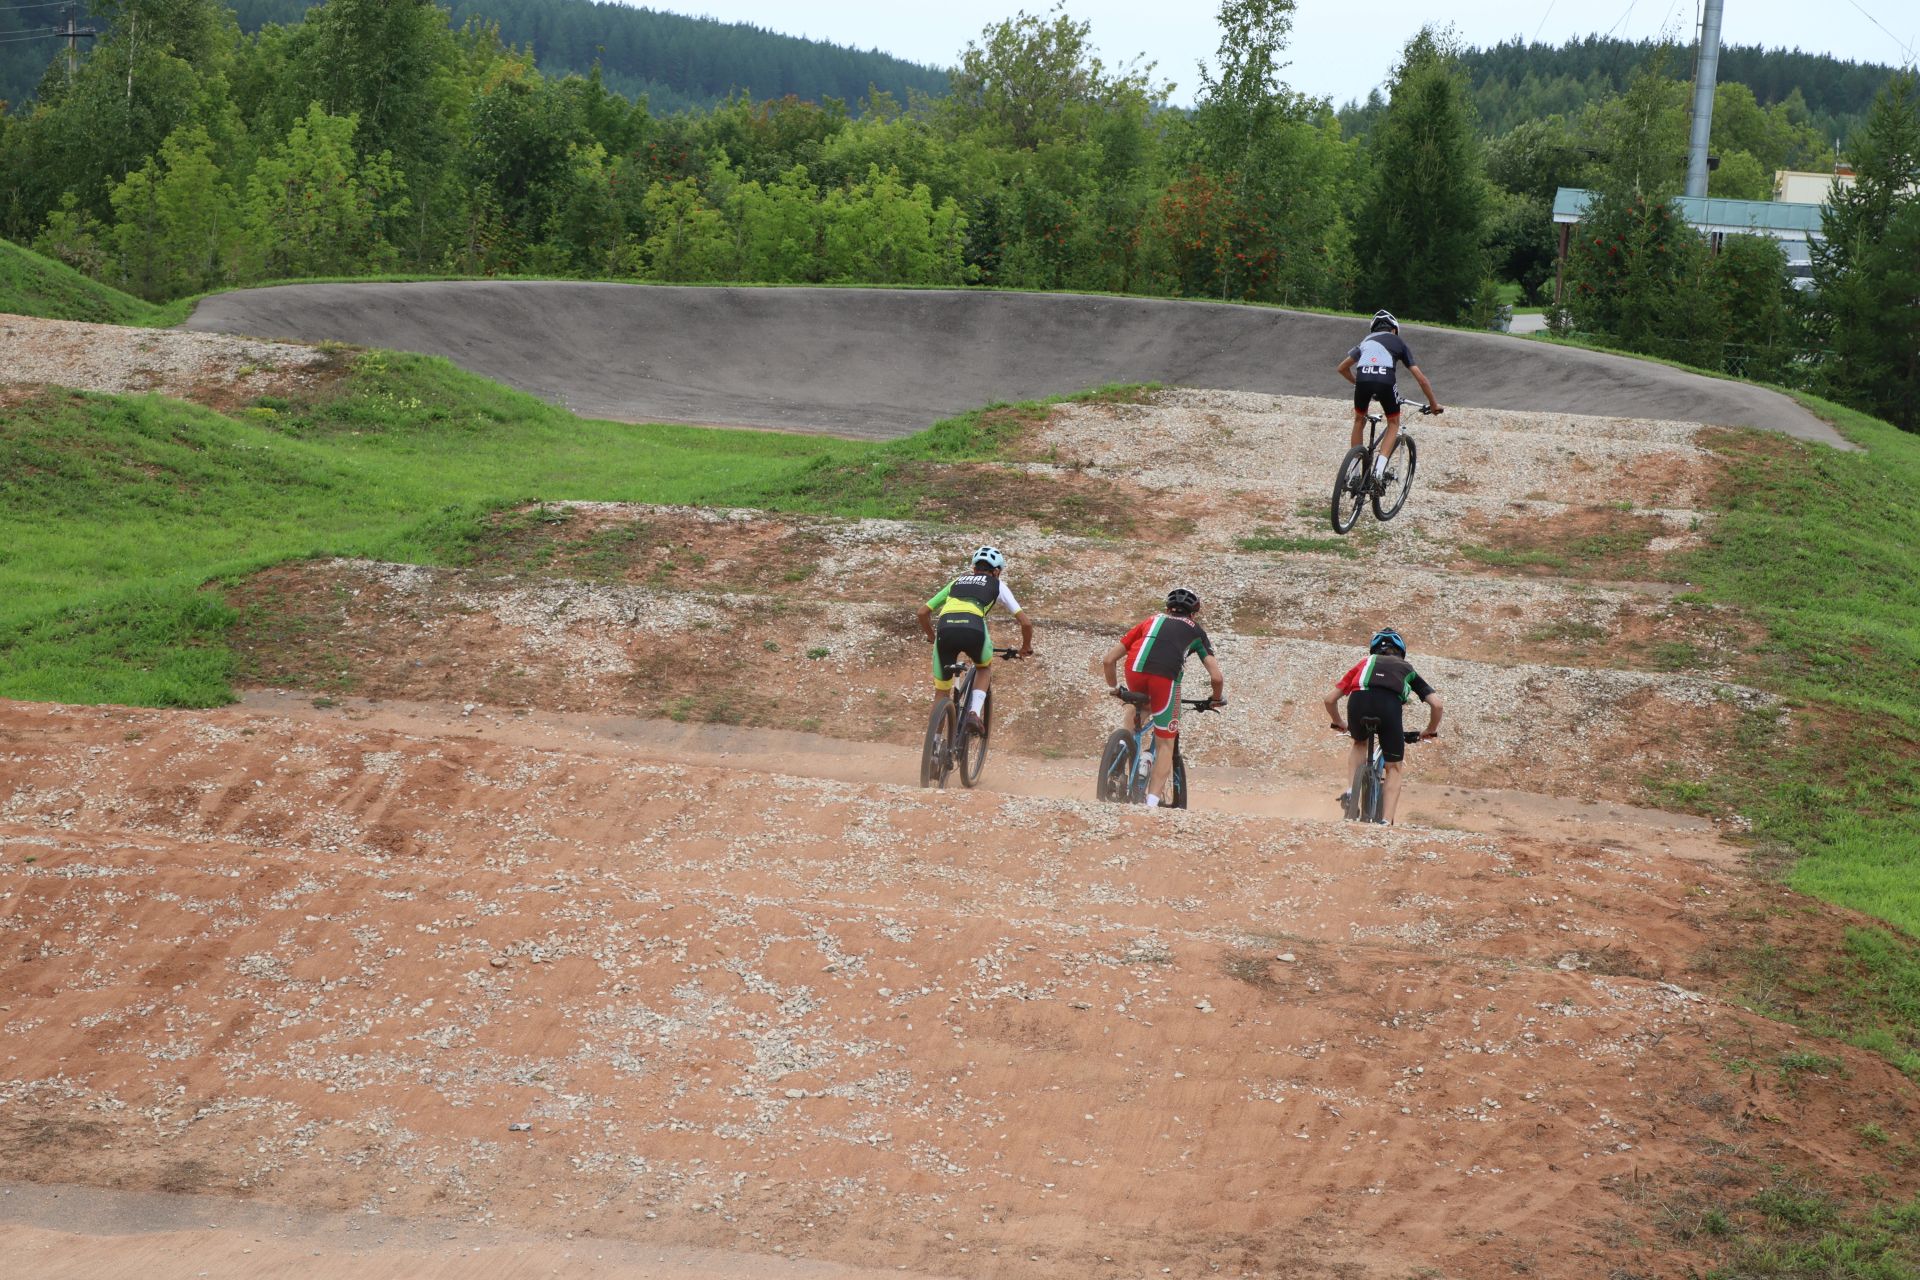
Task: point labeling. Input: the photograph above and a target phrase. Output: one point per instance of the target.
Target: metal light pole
(1706, 72)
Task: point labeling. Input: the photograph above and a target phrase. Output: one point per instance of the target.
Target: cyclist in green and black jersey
(961, 608)
(1156, 652)
(1378, 686)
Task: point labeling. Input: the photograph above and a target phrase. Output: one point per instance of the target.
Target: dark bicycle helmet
(1182, 601)
(1387, 638)
(990, 557)
(1384, 320)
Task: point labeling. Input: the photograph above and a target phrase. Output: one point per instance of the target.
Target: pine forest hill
(678, 63)
(360, 137)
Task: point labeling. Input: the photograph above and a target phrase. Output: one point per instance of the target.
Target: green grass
(1804, 1235)
(1819, 546)
(1278, 542)
(897, 479)
(31, 285)
(115, 510)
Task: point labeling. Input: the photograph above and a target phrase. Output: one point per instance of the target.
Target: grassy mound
(115, 511)
(31, 285)
(1818, 546)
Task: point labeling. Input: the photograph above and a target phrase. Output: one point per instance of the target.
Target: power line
(42, 4)
(1623, 17)
(1904, 45)
(1543, 22)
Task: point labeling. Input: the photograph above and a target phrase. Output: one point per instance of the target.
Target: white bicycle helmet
(1384, 320)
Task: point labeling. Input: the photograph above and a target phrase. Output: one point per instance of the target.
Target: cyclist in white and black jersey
(1370, 368)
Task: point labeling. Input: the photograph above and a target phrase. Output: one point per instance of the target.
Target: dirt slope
(582, 890)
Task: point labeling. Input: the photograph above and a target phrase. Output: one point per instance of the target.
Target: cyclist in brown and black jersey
(1377, 687)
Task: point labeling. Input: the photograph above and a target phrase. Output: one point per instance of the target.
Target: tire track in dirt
(746, 991)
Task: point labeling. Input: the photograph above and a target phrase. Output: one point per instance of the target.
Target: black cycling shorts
(1364, 393)
(1385, 707)
(955, 636)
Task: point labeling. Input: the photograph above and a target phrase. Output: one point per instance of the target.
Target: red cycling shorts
(1163, 701)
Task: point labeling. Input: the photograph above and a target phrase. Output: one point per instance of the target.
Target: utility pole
(73, 35)
(1706, 72)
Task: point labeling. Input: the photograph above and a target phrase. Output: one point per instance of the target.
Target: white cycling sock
(1153, 801)
(1379, 464)
(979, 700)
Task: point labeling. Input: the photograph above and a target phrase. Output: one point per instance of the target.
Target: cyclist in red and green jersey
(1377, 687)
(1156, 652)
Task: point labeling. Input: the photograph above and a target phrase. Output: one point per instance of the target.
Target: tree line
(679, 63)
(1517, 80)
(372, 136)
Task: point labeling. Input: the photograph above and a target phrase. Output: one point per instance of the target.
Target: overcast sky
(1339, 50)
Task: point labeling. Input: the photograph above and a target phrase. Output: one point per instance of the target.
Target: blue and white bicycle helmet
(1384, 320)
(990, 557)
(1387, 638)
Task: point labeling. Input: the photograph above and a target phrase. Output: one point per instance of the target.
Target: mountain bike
(950, 744)
(1354, 484)
(1127, 759)
(1366, 797)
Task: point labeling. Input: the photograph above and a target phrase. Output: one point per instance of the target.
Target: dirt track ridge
(585, 889)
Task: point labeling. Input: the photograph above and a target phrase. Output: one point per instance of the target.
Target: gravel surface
(206, 367)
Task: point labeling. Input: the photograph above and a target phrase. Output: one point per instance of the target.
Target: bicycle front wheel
(1115, 779)
(972, 753)
(1350, 489)
(1179, 800)
(1387, 504)
(936, 753)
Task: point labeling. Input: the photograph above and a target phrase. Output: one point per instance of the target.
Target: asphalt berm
(880, 363)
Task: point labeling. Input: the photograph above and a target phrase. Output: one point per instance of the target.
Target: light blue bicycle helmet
(990, 557)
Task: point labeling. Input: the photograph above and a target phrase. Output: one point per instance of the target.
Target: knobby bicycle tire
(1357, 792)
(1179, 800)
(1405, 456)
(936, 752)
(1115, 779)
(1375, 808)
(1350, 488)
(972, 752)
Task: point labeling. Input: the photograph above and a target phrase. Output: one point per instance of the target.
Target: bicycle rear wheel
(972, 752)
(936, 753)
(1356, 793)
(1375, 807)
(1350, 489)
(1387, 505)
(1115, 779)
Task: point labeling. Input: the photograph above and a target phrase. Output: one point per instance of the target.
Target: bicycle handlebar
(1411, 735)
(1140, 700)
